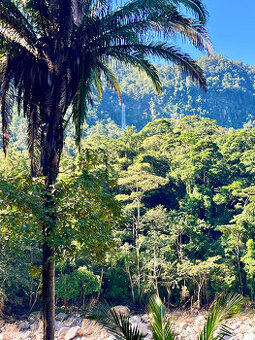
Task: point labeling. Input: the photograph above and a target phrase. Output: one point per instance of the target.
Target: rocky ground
(74, 327)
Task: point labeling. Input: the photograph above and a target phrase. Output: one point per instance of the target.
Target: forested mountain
(230, 98)
(186, 229)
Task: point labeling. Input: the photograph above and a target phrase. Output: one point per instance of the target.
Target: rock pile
(74, 327)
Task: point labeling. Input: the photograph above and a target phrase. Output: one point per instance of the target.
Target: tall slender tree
(54, 54)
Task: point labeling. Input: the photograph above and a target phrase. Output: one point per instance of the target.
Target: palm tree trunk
(52, 146)
(48, 274)
(48, 292)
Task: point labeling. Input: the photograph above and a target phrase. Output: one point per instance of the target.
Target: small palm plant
(222, 310)
(119, 325)
(160, 325)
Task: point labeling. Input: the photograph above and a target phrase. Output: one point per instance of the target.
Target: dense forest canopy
(229, 100)
(188, 213)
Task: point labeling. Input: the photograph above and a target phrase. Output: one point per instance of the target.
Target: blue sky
(232, 29)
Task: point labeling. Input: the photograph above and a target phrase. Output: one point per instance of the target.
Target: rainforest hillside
(230, 97)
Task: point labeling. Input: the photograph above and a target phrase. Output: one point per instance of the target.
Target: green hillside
(230, 98)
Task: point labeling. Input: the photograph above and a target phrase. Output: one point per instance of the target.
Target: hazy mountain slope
(230, 98)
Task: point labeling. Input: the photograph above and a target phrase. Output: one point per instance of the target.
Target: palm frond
(196, 6)
(14, 26)
(39, 15)
(111, 78)
(97, 82)
(161, 327)
(141, 64)
(82, 99)
(125, 327)
(118, 324)
(62, 14)
(160, 18)
(223, 309)
(13, 16)
(6, 98)
(165, 52)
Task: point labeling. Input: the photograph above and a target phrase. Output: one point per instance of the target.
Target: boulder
(62, 332)
(121, 310)
(35, 316)
(72, 333)
(24, 326)
(77, 321)
(199, 321)
(61, 316)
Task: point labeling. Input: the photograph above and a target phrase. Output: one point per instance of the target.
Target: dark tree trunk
(48, 274)
(48, 292)
(52, 146)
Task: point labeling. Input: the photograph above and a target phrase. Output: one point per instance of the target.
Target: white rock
(135, 319)
(72, 332)
(25, 335)
(62, 332)
(143, 328)
(182, 325)
(58, 325)
(200, 320)
(249, 336)
(145, 318)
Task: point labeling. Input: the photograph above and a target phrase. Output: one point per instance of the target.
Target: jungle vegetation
(53, 55)
(186, 228)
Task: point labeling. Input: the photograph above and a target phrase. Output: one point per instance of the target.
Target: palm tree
(54, 54)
